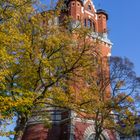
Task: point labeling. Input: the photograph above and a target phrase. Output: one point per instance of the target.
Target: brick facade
(69, 128)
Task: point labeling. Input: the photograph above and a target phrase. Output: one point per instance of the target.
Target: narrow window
(89, 7)
(85, 23)
(93, 26)
(89, 23)
(78, 17)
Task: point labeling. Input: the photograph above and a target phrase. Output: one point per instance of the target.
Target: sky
(123, 26)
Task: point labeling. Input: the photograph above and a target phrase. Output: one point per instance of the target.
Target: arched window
(89, 7)
(89, 134)
(78, 17)
(92, 137)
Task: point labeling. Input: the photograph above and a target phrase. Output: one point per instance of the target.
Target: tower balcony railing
(101, 36)
(51, 114)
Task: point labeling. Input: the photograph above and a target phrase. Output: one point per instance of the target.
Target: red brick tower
(65, 125)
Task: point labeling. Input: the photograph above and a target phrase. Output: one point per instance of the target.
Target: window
(56, 116)
(89, 23)
(78, 17)
(85, 22)
(92, 137)
(93, 26)
(89, 7)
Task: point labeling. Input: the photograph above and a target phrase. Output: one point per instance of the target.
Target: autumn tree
(37, 57)
(109, 99)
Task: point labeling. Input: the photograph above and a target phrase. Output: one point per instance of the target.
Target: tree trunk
(19, 129)
(97, 136)
(98, 133)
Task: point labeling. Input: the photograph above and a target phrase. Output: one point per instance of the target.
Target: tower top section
(101, 11)
(67, 1)
(84, 13)
(83, 2)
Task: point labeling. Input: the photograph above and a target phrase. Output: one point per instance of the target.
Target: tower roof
(67, 1)
(101, 11)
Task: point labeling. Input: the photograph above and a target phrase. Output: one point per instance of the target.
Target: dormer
(89, 6)
(89, 15)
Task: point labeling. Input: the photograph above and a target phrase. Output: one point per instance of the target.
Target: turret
(74, 9)
(71, 8)
(102, 21)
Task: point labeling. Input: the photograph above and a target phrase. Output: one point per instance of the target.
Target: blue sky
(124, 28)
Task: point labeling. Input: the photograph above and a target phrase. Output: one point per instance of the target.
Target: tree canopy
(36, 59)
